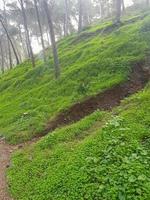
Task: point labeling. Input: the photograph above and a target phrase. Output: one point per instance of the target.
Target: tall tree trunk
(9, 55)
(118, 11)
(147, 3)
(123, 6)
(9, 38)
(2, 57)
(86, 18)
(40, 29)
(8, 43)
(48, 37)
(101, 10)
(66, 21)
(86, 13)
(27, 33)
(80, 23)
(53, 42)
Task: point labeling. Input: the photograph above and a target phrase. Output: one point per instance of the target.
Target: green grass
(89, 65)
(105, 156)
(89, 160)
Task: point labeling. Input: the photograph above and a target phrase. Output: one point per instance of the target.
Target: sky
(127, 2)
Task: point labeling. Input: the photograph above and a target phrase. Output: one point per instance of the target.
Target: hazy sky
(36, 46)
(127, 2)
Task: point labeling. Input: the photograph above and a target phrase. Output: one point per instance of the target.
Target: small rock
(7, 166)
(20, 146)
(2, 139)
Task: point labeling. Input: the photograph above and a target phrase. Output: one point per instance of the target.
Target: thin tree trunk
(27, 33)
(48, 37)
(123, 6)
(9, 38)
(9, 55)
(2, 57)
(53, 42)
(147, 3)
(118, 11)
(8, 43)
(86, 14)
(27, 45)
(80, 23)
(40, 29)
(66, 21)
(100, 10)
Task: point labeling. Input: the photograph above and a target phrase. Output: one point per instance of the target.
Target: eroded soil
(103, 101)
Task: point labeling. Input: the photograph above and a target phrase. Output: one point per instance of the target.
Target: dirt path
(104, 101)
(5, 153)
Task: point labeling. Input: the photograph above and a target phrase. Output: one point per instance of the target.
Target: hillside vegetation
(90, 160)
(104, 156)
(97, 59)
(74, 99)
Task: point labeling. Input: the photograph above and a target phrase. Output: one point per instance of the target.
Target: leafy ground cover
(89, 64)
(90, 160)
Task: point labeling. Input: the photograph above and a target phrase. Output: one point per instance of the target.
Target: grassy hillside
(91, 62)
(90, 160)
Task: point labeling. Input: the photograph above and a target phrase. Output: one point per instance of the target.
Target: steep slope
(91, 159)
(103, 152)
(98, 59)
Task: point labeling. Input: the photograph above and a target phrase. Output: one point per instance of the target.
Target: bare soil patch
(103, 101)
(5, 153)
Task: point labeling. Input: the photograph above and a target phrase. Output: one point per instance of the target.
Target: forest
(74, 100)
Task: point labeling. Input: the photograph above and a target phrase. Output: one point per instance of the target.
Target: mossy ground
(90, 63)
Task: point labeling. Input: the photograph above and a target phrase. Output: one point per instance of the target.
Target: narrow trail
(5, 153)
(104, 101)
